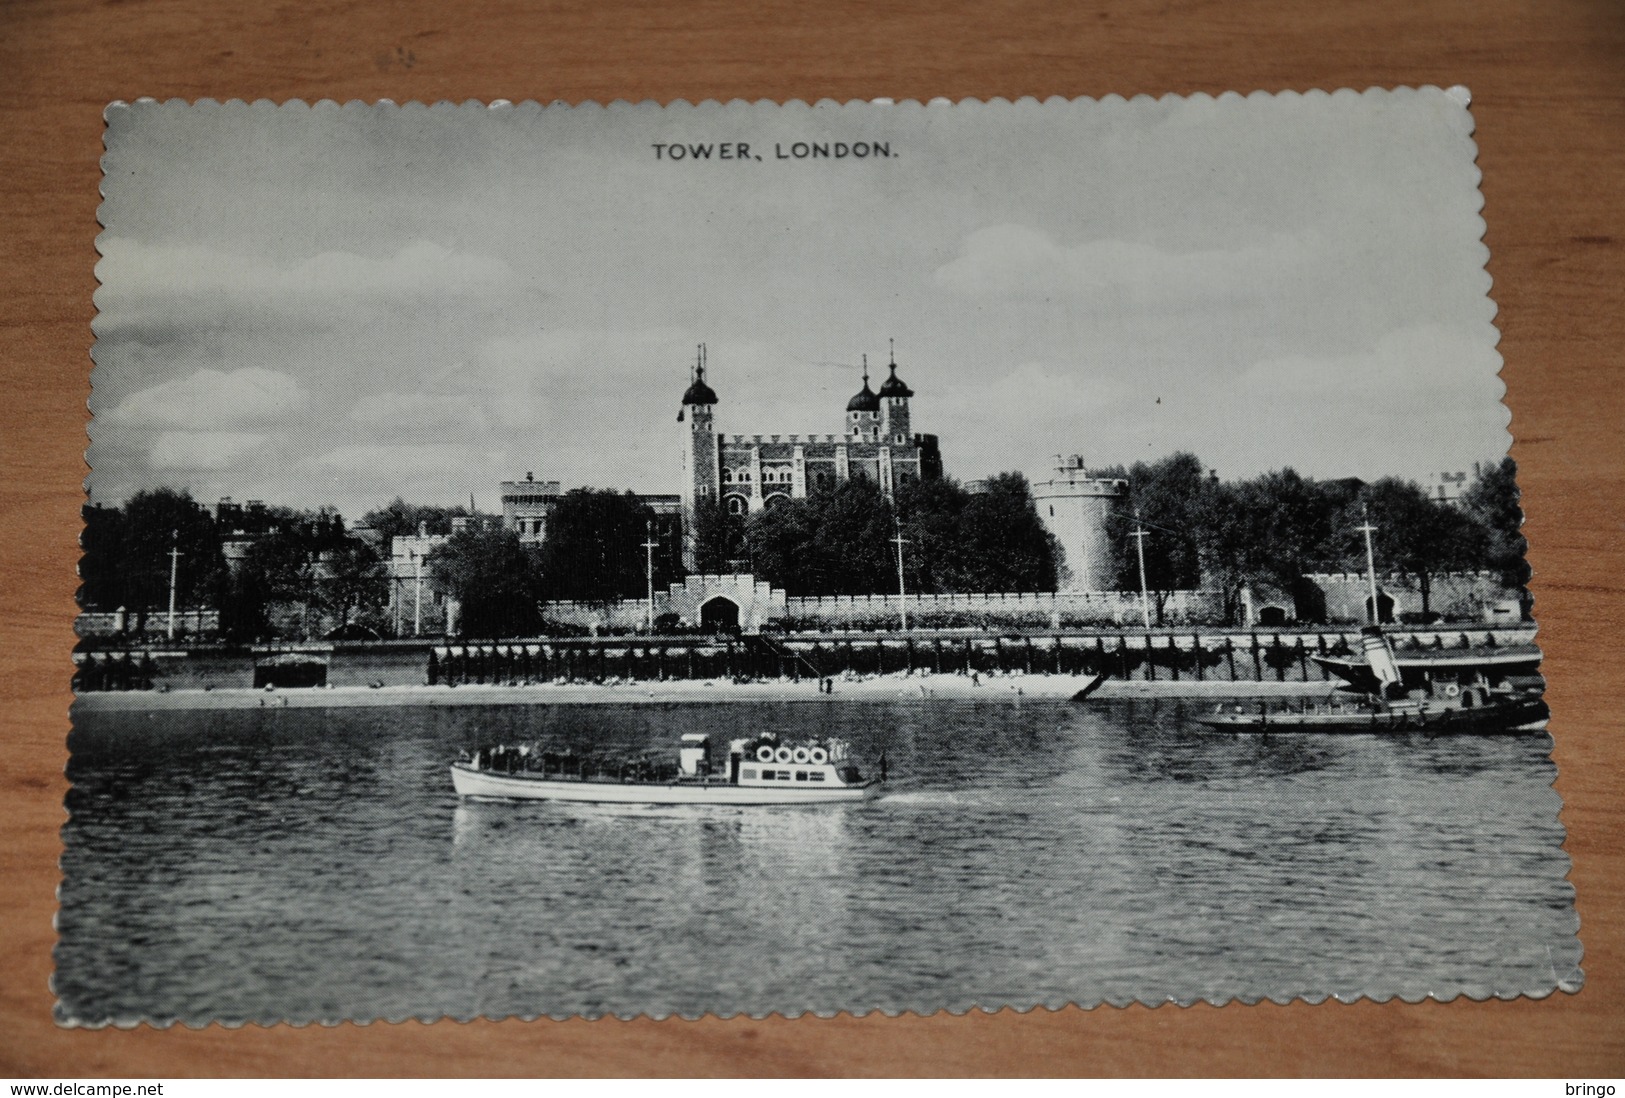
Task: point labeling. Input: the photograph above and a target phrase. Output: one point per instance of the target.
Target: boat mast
(1370, 564)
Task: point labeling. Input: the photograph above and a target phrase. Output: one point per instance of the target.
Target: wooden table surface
(1548, 82)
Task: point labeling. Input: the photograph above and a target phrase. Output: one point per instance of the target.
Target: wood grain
(1549, 98)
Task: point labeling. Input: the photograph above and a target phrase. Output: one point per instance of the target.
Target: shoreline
(1004, 688)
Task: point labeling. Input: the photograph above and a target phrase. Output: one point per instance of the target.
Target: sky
(335, 305)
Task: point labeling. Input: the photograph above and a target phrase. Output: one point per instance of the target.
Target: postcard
(550, 561)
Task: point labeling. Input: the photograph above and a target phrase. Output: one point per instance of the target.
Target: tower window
(1052, 510)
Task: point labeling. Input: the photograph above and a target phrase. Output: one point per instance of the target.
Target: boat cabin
(764, 761)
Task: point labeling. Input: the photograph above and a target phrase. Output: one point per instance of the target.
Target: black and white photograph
(754, 558)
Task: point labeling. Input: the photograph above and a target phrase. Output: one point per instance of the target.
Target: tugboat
(759, 771)
(1475, 709)
(1382, 702)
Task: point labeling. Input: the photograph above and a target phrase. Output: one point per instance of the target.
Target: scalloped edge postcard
(751, 558)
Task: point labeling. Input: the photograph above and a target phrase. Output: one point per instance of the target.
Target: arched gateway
(720, 614)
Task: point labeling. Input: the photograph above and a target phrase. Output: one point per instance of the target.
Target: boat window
(767, 775)
(749, 773)
(784, 775)
(816, 775)
(801, 775)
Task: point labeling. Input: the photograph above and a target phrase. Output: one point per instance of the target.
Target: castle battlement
(745, 473)
(1090, 486)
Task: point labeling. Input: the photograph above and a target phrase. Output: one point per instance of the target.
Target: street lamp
(649, 546)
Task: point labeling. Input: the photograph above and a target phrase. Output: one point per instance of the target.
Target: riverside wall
(1337, 599)
(1165, 655)
(1031, 610)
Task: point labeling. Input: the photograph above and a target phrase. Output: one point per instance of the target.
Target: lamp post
(1370, 563)
(174, 571)
(1139, 536)
(649, 546)
(417, 591)
(902, 594)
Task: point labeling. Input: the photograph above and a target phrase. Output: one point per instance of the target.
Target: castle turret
(863, 411)
(894, 419)
(700, 462)
(1077, 507)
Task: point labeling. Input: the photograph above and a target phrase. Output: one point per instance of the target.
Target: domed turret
(698, 391)
(894, 394)
(863, 410)
(894, 386)
(867, 399)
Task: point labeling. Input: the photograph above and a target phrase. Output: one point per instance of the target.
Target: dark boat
(1438, 693)
(1475, 710)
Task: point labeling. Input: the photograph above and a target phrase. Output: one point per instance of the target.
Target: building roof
(894, 386)
(866, 399)
(699, 392)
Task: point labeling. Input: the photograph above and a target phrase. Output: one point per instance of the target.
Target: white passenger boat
(758, 771)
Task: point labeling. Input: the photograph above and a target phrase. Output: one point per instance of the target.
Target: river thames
(314, 865)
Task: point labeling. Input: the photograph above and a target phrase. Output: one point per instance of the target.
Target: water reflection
(315, 865)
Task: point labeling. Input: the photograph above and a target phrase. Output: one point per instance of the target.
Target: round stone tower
(1078, 508)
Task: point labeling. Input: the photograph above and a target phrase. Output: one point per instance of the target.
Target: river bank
(685, 692)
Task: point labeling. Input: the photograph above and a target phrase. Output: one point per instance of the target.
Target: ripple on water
(309, 864)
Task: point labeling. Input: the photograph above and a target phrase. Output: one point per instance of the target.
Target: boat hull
(469, 782)
(1510, 719)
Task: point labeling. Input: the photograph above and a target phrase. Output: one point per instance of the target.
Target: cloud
(202, 451)
(1421, 366)
(1013, 261)
(360, 476)
(419, 413)
(450, 461)
(1419, 398)
(188, 286)
(209, 400)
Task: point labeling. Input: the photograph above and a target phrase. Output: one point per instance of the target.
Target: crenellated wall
(759, 603)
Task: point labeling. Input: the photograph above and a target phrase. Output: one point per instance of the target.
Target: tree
(353, 581)
(1271, 529)
(594, 548)
(830, 543)
(154, 523)
(398, 519)
(495, 579)
(931, 513)
(287, 564)
(1000, 543)
(1417, 535)
(1169, 499)
(840, 542)
(1492, 502)
(101, 567)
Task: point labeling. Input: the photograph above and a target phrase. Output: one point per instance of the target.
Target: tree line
(305, 573)
(1275, 528)
(842, 541)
